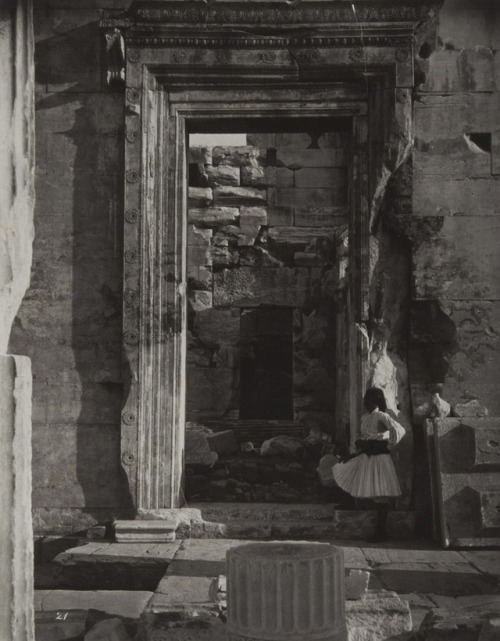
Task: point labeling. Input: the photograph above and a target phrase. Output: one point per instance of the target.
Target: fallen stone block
(108, 630)
(470, 409)
(218, 590)
(200, 300)
(223, 443)
(189, 624)
(469, 618)
(96, 533)
(144, 531)
(490, 630)
(379, 617)
(285, 446)
(356, 584)
(197, 448)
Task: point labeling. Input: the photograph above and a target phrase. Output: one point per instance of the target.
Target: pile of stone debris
(283, 469)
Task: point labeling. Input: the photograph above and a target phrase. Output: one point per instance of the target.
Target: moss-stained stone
(461, 262)
(254, 286)
(474, 365)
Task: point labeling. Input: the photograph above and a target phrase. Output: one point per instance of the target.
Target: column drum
(282, 591)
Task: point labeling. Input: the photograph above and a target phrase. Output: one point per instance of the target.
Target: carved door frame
(182, 67)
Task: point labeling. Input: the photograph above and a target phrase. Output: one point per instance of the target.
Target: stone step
(145, 531)
(108, 566)
(264, 521)
(123, 603)
(225, 512)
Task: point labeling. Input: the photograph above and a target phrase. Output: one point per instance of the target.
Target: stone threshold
(263, 521)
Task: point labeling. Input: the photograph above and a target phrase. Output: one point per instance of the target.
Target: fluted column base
(285, 591)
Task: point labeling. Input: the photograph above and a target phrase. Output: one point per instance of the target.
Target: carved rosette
(357, 55)
(131, 256)
(128, 458)
(132, 216)
(268, 57)
(224, 56)
(131, 337)
(133, 95)
(309, 56)
(129, 418)
(133, 135)
(181, 56)
(402, 55)
(132, 176)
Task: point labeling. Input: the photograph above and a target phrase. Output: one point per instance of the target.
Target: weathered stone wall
(266, 228)
(69, 323)
(456, 259)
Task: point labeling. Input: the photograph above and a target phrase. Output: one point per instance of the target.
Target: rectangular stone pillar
(16, 535)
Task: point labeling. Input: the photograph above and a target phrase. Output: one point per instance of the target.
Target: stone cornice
(279, 14)
(333, 18)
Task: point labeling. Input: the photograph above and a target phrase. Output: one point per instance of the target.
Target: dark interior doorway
(266, 363)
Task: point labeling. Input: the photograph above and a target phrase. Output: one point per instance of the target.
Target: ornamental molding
(272, 24)
(268, 43)
(193, 13)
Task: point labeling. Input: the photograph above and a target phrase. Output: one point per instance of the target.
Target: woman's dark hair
(374, 397)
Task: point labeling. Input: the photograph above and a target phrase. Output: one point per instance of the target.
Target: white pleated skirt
(368, 476)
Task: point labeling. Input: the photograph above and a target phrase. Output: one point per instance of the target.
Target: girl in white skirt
(370, 473)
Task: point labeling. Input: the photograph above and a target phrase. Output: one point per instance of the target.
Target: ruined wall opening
(268, 213)
(266, 363)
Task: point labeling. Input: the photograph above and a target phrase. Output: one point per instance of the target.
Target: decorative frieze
(240, 13)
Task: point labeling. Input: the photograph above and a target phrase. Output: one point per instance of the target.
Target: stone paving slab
(126, 552)
(423, 578)
(487, 561)
(382, 554)
(185, 589)
(122, 603)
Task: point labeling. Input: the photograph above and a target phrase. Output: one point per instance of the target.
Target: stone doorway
(267, 281)
(187, 67)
